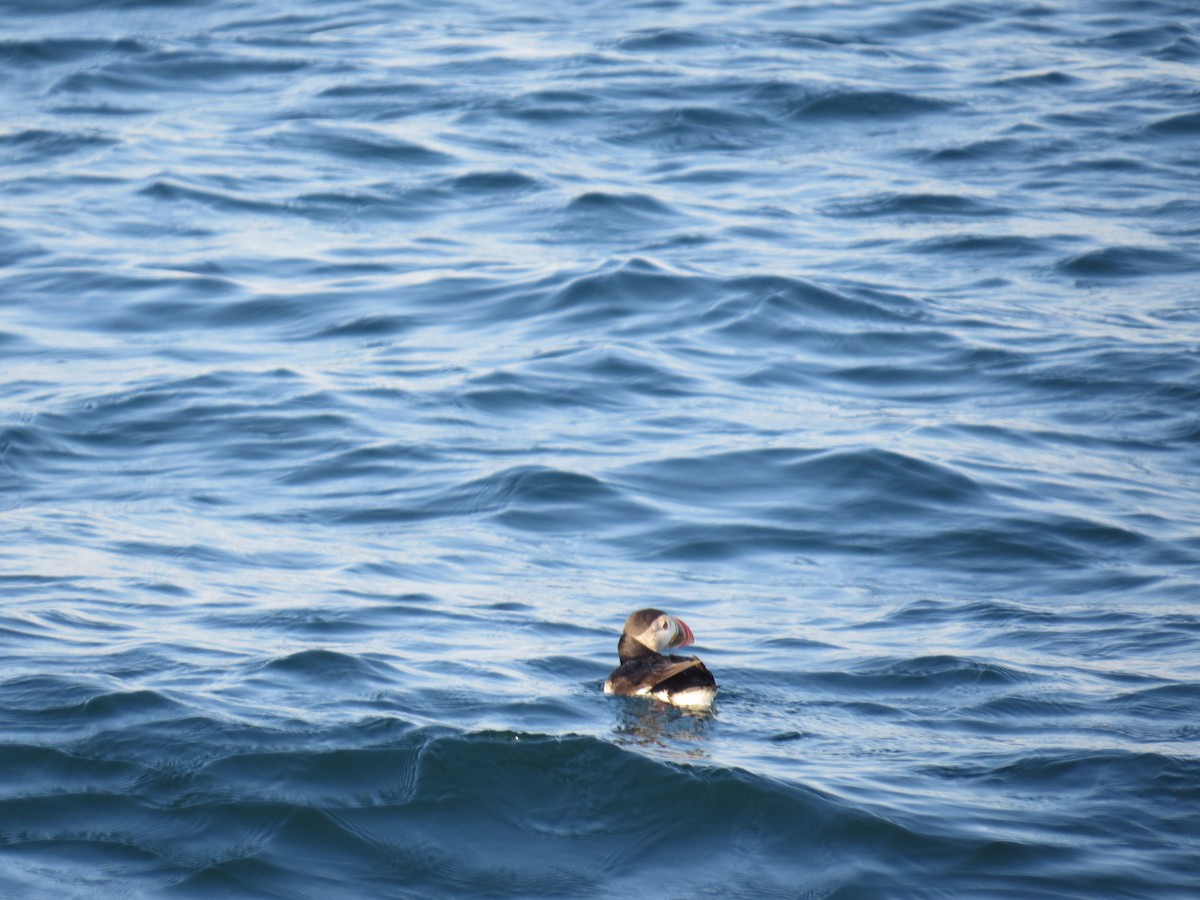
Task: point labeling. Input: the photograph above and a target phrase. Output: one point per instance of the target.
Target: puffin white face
(665, 632)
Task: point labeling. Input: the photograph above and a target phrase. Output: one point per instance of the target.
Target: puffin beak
(683, 634)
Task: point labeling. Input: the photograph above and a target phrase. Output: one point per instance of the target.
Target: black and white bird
(646, 671)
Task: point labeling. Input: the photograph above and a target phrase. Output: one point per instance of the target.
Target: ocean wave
(366, 365)
(1125, 262)
(401, 810)
(849, 104)
(537, 811)
(39, 145)
(925, 204)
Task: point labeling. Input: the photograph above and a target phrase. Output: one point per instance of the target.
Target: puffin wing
(673, 668)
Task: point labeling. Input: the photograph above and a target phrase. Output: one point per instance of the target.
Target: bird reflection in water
(681, 731)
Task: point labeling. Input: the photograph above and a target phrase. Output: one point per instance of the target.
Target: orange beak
(683, 635)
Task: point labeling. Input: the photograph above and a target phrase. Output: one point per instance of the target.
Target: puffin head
(658, 631)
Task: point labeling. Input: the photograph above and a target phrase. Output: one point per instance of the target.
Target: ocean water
(364, 365)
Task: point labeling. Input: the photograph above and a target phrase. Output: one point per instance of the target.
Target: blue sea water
(364, 365)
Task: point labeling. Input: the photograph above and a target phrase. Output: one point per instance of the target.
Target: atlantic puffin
(646, 672)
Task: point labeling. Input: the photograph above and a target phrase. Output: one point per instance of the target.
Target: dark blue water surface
(364, 364)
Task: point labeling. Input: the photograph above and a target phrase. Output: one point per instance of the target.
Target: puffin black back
(645, 670)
